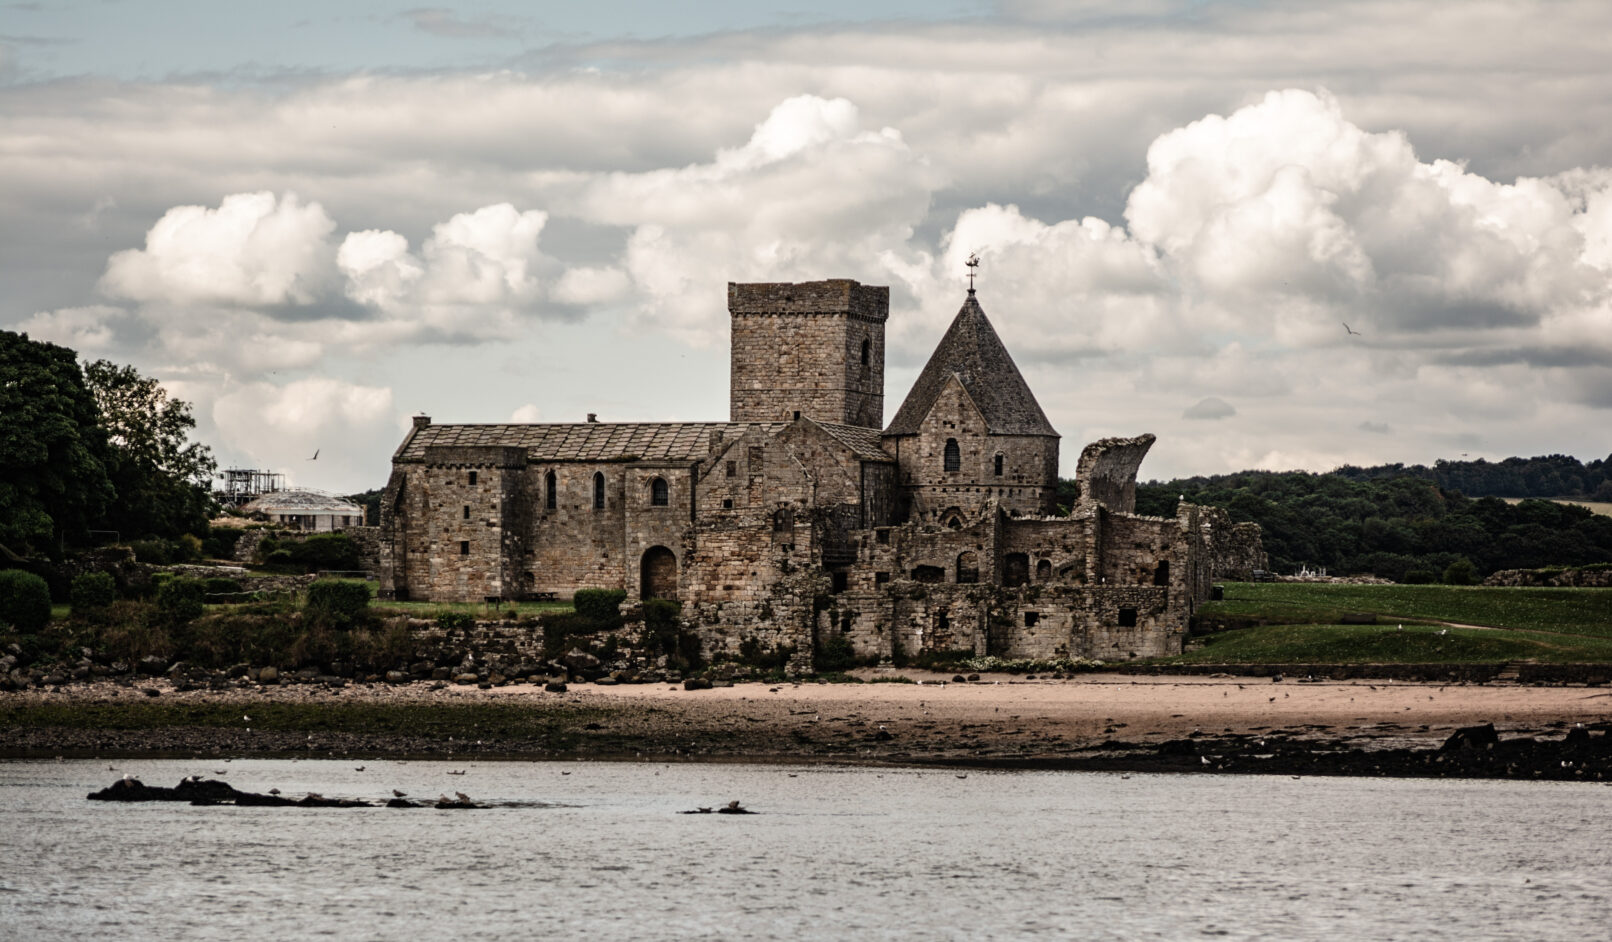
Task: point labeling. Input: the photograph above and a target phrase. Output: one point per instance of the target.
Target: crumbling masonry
(799, 519)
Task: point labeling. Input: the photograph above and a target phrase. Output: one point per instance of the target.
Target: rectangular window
(733, 469)
(464, 547)
(727, 503)
(1030, 618)
(841, 581)
(472, 477)
(882, 536)
(1127, 618)
(880, 578)
(467, 511)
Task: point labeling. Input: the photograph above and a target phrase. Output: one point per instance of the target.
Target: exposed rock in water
(200, 791)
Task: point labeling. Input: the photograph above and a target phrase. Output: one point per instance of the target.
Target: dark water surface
(834, 853)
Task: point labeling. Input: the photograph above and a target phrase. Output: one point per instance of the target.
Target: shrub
(756, 654)
(664, 634)
(181, 599)
(1418, 577)
(156, 552)
(93, 591)
(338, 602)
(327, 551)
(24, 600)
(220, 542)
(559, 628)
(600, 605)
(455, 621)
(834, 654)
(1460, 572)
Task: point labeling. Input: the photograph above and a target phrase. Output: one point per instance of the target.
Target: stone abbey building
(803, 517)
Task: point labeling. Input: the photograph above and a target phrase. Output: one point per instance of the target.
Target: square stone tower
(813, 349)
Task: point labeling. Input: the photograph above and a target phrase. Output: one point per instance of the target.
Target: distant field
(1599, 506)
(1585, 612)
(1390, 644)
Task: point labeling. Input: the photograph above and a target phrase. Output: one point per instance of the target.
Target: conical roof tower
(973, 352)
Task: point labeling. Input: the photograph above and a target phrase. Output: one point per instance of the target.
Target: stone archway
(657, 574)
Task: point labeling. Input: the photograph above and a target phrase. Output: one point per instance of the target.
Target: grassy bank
(1300, 623)
(1585, 612)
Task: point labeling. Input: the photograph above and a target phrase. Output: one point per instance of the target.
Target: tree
(53, 478)
(163, 480)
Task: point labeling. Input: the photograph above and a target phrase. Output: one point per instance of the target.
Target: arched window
(658, 496)
(954, 455)
(598, 490)
(551, 491)
(867, 351)
(1043, 571)
(998, 464)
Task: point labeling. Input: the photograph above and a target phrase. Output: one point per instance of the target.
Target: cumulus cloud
(351, 426)
(526, 413)
(254, 250)
(1209, 407)
(89, 330)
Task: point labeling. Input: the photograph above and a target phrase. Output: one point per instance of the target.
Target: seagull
(462, 796)
(315, 455)
(358, 768)
(1351, 330)
(398, 794)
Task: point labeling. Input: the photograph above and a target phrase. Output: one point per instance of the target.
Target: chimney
(421, 421)
(593, 417)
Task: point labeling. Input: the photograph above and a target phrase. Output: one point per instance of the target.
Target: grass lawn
(1380, 644)
(1585, 612)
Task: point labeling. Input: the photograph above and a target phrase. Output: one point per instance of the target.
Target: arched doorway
(968, 567)
(658, 574)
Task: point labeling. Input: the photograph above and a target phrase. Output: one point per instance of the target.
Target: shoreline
(1099, 722)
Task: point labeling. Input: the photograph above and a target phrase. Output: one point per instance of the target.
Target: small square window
(727, 503)
(881, 578)
(1127, 618)
(1030, 619)
(882, 537)
(464, 547)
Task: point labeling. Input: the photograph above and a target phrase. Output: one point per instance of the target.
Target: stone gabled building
(801, 518)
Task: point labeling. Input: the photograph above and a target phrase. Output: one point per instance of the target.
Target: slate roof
(582, 441)
(972, 350)
(865, 443)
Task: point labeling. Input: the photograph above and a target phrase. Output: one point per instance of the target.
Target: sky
(314, 220)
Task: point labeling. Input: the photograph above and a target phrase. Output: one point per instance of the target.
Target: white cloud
(526, 413)
(252, 251)
(89, 330)
(352, 427)
(1209, 407)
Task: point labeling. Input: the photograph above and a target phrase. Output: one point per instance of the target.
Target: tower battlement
(812, 349)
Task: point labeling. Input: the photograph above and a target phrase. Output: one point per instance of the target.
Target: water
(835, 853)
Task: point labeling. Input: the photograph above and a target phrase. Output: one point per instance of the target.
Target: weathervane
(973, 264)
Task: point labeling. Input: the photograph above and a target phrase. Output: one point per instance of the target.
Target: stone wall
(799, 348)
(1107, 472)
(1589, 578)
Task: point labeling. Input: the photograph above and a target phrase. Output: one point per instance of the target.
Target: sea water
(599, 851)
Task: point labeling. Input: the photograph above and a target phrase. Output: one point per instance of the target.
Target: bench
(542, 596)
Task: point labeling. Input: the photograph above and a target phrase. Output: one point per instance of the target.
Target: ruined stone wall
(1107, 472)
(1234, 550)
(1133, 548)
(799, 348)
(943, 548)
(1063, 543)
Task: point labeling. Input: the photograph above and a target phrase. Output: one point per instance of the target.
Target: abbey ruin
(802, 517)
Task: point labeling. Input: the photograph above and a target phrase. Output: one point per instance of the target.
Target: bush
(182, 599)
(456, 621)
(1460, 572)
(664, 634)
(327, 551)
(559, 628)
(155, 552)
(759, 656)
(834, 654)
(1418, 577)
(220, 542)
(24, 600)
(93, 591)
(338, 602)
(600, 605)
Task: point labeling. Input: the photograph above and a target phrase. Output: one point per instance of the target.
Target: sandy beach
(997, 719)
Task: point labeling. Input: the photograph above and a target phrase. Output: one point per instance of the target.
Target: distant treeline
(1405, 527)
(1544, 476)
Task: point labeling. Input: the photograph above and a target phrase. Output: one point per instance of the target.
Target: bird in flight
(1351, 330)
(316, 451)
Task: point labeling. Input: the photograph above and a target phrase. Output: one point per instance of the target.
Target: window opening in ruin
(658, 494)
(797, 413)
(551, 495)
(867, 349)
(1043, 571)
(1015, 569)
(1030, 619)
(464, 547)
(783, 521)
(1127, 618)
(968, 567)
(998, 465)
(472, 477)
(881, 578)
(598, 490)
(727, 503)
(658, 574)
(954, 524)
(467, 512)
(733, 469)
(954, 455)
(841, 581)
(882, 536)
(1161, 575)
(845, 621)
(928, 574)
(942, 622)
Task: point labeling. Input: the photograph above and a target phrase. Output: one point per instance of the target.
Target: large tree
(162, 478)
(53, 480)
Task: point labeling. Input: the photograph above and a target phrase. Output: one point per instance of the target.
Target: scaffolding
(243, 485)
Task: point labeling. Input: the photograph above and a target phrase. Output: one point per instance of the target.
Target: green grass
(480, 609)
(1601, 507)
(1379, 644)
(1586, 612)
